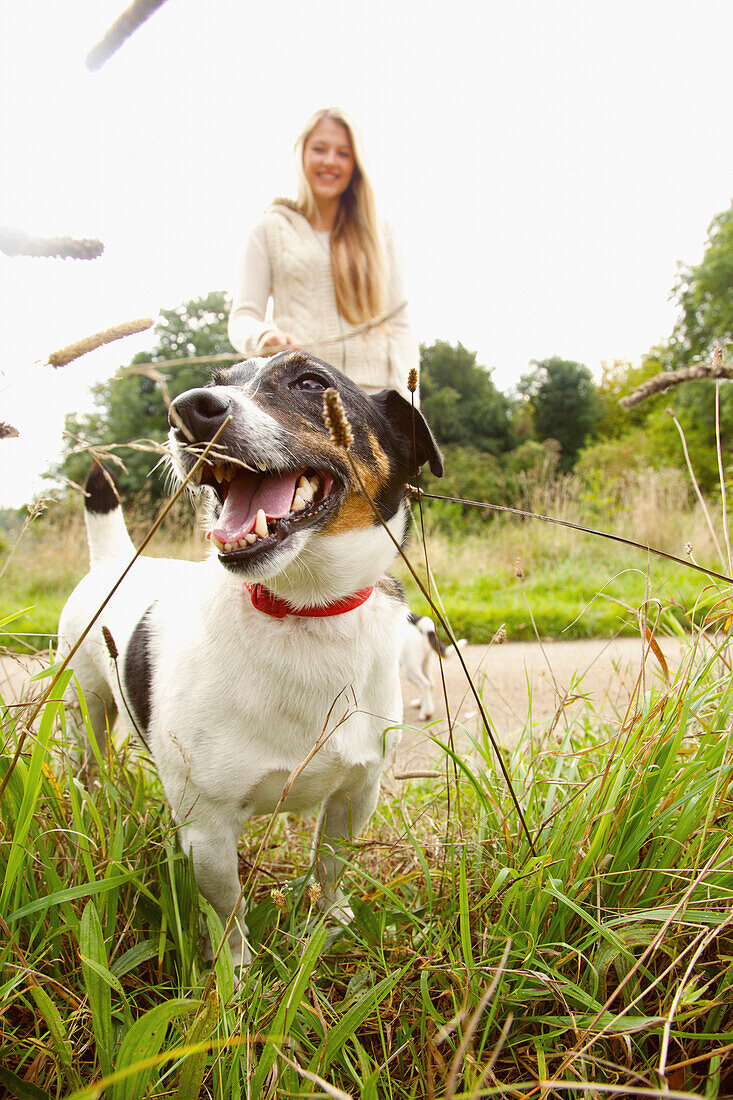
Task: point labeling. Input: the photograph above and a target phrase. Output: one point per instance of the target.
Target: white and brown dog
(285, 638)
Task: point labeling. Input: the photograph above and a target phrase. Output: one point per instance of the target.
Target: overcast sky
(546, 166)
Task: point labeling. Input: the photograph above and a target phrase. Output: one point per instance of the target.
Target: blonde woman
(328, 267)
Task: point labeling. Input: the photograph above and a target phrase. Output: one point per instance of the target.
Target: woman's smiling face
(328, 160)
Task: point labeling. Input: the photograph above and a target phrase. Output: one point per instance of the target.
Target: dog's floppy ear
(410, 424)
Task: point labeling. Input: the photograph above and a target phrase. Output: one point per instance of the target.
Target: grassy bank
(587, 953)
(535, 578)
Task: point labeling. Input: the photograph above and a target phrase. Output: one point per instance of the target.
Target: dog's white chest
(271, 690)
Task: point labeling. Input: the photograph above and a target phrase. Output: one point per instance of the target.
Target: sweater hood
(286, 208)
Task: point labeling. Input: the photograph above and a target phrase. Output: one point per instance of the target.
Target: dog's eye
(314, 383)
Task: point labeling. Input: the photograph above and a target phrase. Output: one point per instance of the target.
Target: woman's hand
(275, 340)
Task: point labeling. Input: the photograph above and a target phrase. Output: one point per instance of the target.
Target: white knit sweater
(288, 261)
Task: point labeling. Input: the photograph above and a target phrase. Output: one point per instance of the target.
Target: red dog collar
(272, 605)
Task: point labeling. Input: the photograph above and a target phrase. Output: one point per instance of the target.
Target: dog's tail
(426, 626)
(106, 530)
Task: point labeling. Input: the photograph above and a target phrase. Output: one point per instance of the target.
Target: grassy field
(535, 579)
(584, 948)
(587, 953)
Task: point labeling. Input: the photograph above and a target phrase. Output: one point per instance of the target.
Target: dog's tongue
(249, 492)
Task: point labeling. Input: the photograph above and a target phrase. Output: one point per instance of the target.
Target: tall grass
(600, 965)
(594, 961)
(562, 571)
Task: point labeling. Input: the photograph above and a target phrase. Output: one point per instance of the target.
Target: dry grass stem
(14, 242)
(91, 343)
(667, 379)
(721, 468)
(149, 370)
(123, 27)
(693, 479)
(490, 733)
(336, 420)
(342, 337)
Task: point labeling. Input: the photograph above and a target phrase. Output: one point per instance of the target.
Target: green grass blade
(283, 1021)
(57, 1031)
(21, 1090)
(18, 850)
(141, 1046)
(93, 961)
(191, 1074)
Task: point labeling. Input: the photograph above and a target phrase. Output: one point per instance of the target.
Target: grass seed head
(110, 643)
(14, 242)
(74, 351)
(123, 27)
(7, 431)
(335, 419)
(315, 893)
(278, 898)
(412, 380)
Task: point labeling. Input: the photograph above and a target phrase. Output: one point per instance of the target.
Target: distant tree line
(557, 419)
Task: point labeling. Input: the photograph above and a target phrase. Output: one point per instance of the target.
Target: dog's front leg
(210, 840)
(343, 815)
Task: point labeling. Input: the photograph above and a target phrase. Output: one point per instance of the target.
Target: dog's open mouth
(260, 509)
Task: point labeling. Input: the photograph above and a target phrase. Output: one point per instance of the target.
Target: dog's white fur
(238, 699)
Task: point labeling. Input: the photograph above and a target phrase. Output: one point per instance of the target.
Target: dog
(419, 643)
(266, 676)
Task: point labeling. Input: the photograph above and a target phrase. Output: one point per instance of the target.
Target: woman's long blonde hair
(357, 255)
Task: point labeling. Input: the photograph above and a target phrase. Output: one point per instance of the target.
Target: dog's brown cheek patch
(356, 512)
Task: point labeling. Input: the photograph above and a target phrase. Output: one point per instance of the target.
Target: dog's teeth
(197, 475)
(305, 489)
(220, 470)
(315, 483)
(229, 546)
(250, 538)
(217, 542)
(261, 524)
(298, 503)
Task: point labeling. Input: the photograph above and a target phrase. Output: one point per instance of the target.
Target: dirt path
(522, 684)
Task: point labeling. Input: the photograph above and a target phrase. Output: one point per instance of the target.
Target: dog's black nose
(200, 413)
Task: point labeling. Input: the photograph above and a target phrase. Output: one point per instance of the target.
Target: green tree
(130, 406)
(704, 294)
(461, 402)
(564, 404)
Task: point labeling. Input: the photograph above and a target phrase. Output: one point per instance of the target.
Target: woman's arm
(249, 332)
